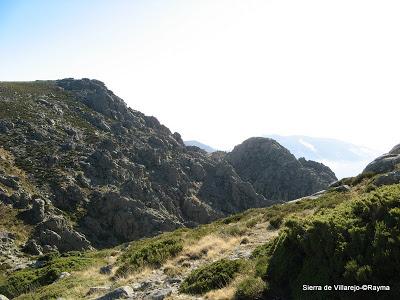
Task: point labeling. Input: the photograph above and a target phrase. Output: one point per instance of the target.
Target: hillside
(80, 171)
(347, 235)
(80, 165)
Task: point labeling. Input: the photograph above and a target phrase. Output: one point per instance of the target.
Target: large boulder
(387, 179)
(123, 292)
(384, 163)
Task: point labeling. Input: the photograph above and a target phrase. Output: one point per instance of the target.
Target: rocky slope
(83, 170)
(275, 173)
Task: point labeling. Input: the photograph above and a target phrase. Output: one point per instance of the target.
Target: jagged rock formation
(275, 173)
(97, 173)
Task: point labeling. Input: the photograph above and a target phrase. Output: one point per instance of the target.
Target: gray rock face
(275, 173)
(4, 198)
(10, 181)
(20, 199)
(387, 179)
(123, 292)
(341, 188)
(395, 150)
(384, 163)
(37, 211)
(31, 247)
(160, 294)
(56, 234)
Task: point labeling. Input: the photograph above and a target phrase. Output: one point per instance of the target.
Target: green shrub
(234, 230)
(251, 288)
(210, 277)
(148, 253)
(30, 278)
(253, 222)
(358, 241)
(276, 222)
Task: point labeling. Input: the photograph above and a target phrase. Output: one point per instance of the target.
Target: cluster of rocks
(11, 257)
(156, 286)
(52, 232)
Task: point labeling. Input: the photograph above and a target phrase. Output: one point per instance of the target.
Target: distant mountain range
(344, 158)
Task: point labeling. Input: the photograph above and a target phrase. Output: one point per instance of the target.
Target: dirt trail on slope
(164, 283)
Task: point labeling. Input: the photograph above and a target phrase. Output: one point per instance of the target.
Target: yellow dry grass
(226, 293)
(210, 247)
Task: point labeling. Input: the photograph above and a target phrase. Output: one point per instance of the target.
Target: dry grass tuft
(209, 247)
(226, 293)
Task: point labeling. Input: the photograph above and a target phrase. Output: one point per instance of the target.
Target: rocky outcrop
(384, 163)
(106, 174)
(56, 232)
(275, 173)
(123, 292)
(120, 174)
(388, 178)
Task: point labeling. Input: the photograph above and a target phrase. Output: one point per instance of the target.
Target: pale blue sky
(220, 71)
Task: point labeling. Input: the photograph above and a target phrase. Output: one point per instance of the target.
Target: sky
(220, 71)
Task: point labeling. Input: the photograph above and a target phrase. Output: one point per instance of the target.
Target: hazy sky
(222, 71)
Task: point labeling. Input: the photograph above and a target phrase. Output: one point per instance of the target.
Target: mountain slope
(80, 171)
(111, 172)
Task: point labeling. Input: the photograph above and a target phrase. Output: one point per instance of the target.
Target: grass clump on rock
(210, 277)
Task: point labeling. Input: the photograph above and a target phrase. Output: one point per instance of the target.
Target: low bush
(210, 277)
(148, 253)
(251, 288)
(276, 222)
(234, 230)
